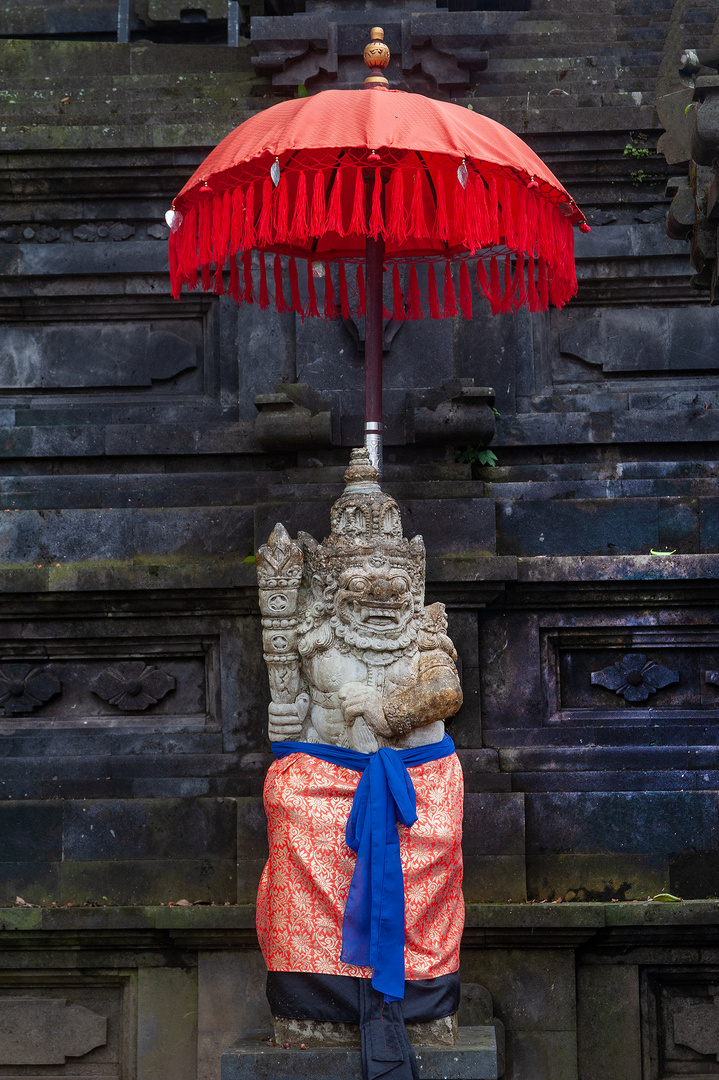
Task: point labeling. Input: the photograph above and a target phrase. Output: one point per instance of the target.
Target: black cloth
(386, 1049)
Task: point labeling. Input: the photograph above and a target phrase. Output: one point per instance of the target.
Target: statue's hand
(359, 700)
(285, 721)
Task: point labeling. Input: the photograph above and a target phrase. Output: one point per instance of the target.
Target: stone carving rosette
(279, 573)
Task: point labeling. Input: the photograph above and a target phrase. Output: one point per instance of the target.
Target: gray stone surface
(47, 1031)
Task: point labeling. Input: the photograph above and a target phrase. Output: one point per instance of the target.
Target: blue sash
(373, 924)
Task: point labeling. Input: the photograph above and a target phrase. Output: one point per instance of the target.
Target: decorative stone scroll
(634, 677)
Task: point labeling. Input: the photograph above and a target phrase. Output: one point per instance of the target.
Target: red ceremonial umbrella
(376, 179)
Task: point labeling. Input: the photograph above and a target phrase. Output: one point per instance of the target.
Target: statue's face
(375, 599)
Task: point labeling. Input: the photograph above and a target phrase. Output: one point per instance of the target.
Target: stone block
(694, 874)
(609, 1038)
(596, 877)
(47, 1031)
(451, 527)
(547, 1055)
(651, 823)
(252, 847)
(167, 1024)
(493, 824)
(155, 829)
(36, 882)
(475, 1057)
(152, 881)
(494, 879)
(30, 832)
(51, 536)
(533, 990)
(192, 533)
(231, 1000)
(577, 527)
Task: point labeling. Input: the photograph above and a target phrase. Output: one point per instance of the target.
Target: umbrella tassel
(205, 232)
(543, 284)
(520, 291)
(450, 297)
(334, 210)
(312, 309)
(219, 286)
(206, 277)
(330, 311)
(358, 221)
(531, 286)
(361, 296)
(489, 288)
(217, 228)
(223, 239)
(235, 279)
(467, 200)
(508, 230)
(397, 217)
(481, 225)
(417, 221)
(415, 302)
(465, 290)
(508, 285)
(296, 304)
(264, 226)
(493, 211)
(300, 228)
(376, 222)
(280, 302)
(441, 221)
(175, 278)
(248, 239)
(435, 311)
(282, 208)
(264, 294)
(495, 289)
(397, 299)
(248, 293)
(236, 222)
(318, 225)
(344, 297)
(187, 254)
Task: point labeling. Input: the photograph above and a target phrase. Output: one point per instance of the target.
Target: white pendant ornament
(318, 269)
(173, 219)
(275, 172)
(463, 174)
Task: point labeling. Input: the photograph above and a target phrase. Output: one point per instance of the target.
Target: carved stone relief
(25, 687)
(634, 677)
(133, 686)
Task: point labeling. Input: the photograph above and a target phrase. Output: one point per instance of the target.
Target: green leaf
(667, 898)
(302, 90)
(470, 106)
(250, 558)
(653, 552)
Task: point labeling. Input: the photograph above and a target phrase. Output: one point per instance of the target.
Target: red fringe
(397, 298)
(386, 314)
(361, 298)
(248, 239)
(206, 277)
(217, 228)
(296, 304)
(334, 210)
(520, 290)
(280, 302)
(204, 239)
(531, 286)
(225, 226)
(543, 285)
(415, 302)
(435, 311)
(312, 309)
(450, 297)
(300, 230)
(236, 222)
(248, 292)
(330, 311)
(235, 279)
(441, 221)
(264, 226)
(375, 227)
(396, 215)
(465, 290)
(417, 221)
(264, 294)
(172, 255)
(508, 230)
(219, 287)
(344, 298)
(489, 287)
(508, 285)
(317, 218)
(187, 255)
(282, 209)
(358, 222)
(493, 212)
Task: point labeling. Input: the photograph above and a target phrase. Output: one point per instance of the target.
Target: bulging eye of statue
(356, 584)
(399, 585)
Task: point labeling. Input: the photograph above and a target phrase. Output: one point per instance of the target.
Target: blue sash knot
(373, 928)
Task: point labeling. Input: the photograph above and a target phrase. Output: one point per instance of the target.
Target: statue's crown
(365, 522)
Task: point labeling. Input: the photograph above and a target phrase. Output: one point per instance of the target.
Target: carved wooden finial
(376, 57)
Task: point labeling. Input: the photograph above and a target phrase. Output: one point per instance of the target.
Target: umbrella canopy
(316, 177)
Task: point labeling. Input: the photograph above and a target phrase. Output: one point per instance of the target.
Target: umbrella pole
(374, 268)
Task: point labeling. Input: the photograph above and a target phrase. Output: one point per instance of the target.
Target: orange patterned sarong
(304, 886)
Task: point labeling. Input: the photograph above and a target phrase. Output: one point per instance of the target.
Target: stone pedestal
(476, 1056)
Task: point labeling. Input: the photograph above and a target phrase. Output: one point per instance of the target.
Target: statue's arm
(436, 695)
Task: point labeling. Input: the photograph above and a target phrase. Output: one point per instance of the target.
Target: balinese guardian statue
(360, 908)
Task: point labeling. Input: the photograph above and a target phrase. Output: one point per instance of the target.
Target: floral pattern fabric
(304, 886)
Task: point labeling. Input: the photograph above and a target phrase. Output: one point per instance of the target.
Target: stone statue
(355, 658)
(360, 910)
